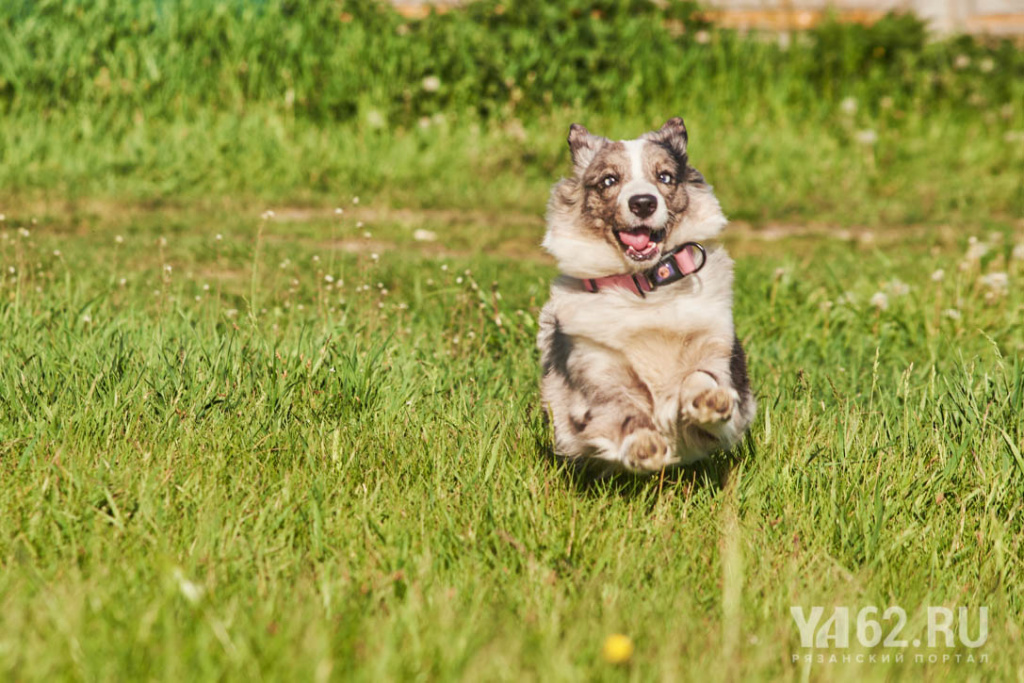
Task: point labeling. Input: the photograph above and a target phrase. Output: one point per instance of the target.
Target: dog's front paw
(646, 450)
(711, 406)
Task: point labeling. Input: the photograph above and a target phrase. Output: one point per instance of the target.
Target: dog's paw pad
(712, 406)
(646, 449)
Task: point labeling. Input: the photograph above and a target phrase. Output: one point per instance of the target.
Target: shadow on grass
(591, 478)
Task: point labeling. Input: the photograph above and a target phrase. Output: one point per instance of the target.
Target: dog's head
(628, 202)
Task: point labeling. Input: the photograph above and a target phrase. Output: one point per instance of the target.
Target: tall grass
(331, 61)
(300, 100)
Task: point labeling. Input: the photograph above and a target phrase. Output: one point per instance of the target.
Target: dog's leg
(715, 404)
(599, 407)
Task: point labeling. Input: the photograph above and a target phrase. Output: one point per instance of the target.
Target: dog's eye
(608, 181)
(666, 178)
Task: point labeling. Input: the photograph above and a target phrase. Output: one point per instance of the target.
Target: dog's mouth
(642, 243)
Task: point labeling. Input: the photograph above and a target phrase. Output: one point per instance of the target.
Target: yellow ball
(617, 649)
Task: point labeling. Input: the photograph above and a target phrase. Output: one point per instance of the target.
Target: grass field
(297, 447)
(268, 378)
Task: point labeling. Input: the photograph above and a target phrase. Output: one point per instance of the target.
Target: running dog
(642, 368)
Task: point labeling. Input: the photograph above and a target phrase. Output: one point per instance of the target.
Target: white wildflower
(422, 235)
(997, 283)
(431, 84)
(880, 301)
(975, 249)
(987, 65)
(118, 239)
(1018, 252)
(192, 592)
(702, 37)
(898, 288)
(866, 137)
(938, 275)
(374, 119)
(848, 106)
(961, 62)
(952, 314)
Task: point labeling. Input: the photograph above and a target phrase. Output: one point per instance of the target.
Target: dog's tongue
(638, 239)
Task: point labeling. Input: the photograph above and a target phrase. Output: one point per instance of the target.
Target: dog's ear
(673, 134)
(583, 145)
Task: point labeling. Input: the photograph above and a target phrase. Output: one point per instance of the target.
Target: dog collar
(684, 260)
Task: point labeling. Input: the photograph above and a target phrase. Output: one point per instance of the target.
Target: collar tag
(685, 260)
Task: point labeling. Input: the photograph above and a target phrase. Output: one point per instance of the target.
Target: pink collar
(684, 260)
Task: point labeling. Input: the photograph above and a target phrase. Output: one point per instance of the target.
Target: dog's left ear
(673, 134)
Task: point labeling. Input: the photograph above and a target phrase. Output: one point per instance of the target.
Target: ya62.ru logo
(872, 627)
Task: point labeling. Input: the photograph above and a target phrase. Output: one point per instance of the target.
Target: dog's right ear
(583, 145)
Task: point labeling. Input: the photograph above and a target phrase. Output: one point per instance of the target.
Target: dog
(642, 368)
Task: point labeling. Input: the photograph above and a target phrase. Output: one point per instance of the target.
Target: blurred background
(848, 112)
(999, 17)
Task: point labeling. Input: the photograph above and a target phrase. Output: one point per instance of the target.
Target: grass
(307, 445)
(159, 100)
(218, 463)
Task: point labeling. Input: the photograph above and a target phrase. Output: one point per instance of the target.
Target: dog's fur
(639, 383)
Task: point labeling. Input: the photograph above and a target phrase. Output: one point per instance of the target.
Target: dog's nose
(643, 205)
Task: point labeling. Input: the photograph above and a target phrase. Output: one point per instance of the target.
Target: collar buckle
(669, 269)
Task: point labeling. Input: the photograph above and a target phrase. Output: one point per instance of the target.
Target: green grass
(282, 477)
(309, 446)
(156, 100)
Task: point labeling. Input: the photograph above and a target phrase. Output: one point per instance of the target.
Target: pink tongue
(638, 239)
